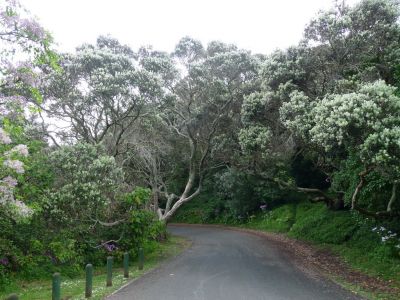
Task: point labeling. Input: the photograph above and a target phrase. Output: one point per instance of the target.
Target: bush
(83, 186)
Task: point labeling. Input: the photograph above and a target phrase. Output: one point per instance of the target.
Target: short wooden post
(89, 281)
(141, 258)
(12, 297)
(126, 265)
(109, 270)
(56, 287)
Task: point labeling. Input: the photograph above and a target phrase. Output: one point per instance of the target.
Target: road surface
(229, 265)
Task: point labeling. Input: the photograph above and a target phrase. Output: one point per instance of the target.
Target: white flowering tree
(331, 102)
(366, 121)
(103, 91)
(86, 188)
(21, 37)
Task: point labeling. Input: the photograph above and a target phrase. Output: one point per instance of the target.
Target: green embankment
(74, 288)
(345, 233)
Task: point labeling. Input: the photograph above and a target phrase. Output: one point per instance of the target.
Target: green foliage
(70, 190)
(52, 201)
(255, 138)
(376, 190)
(243, 193)
(138, 197)
(233, 198)
(87, 183)
(332, 99)
(206, 208)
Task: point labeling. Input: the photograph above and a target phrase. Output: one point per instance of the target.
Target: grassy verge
(367, 294)
(74, 288)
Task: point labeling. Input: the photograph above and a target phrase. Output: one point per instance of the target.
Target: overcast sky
(258, 25)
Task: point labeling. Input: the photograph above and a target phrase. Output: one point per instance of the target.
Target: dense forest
(102, 147)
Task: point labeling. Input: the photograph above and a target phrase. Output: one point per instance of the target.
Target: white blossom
(7, 185)
(22, 209)
(255, 137)
(16, 165)
(20, 150)
(4, 137)
(9, 181)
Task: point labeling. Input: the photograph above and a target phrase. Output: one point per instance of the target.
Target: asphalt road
(225, 264)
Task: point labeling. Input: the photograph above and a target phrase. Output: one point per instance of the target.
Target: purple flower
(22, 71)
(33, 27)
(10, 17)
(51, 257)
(110, 247)
(4, 261)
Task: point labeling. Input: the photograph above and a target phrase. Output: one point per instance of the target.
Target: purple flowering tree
(24, 47)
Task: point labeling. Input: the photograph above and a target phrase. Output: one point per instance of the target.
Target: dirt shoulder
(316, 262)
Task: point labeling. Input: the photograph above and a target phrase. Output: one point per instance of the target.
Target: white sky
(257, 25)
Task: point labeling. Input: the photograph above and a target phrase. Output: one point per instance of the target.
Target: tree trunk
(358, 188)
(392, 198)
(154, 191)
(169, 212)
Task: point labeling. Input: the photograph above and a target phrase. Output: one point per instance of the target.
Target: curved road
(226, 264)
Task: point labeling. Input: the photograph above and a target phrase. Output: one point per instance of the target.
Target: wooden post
(89, 281)
(141, 258)
(56, 287)
(109, 270)
(126, 265)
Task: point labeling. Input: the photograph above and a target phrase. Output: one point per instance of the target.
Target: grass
(74, 288)
(364, 293)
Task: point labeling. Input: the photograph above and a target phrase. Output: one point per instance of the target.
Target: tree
(151, 159)
(20, 36)
(365, 121)
(205, 99)
(87, 186)
(102, 91)
(358, 41)
(323, 99)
